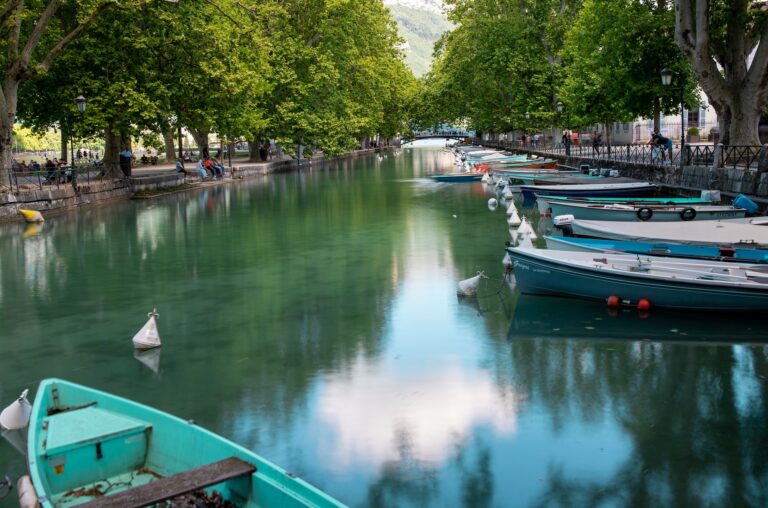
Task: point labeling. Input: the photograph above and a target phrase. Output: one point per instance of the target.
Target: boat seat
(176, 485)
(76, 428)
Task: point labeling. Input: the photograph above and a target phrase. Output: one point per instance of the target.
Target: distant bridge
(430, 135)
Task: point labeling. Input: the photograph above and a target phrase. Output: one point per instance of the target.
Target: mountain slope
(420, 23)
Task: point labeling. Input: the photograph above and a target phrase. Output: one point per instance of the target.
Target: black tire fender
(688, 213)
(644, 213)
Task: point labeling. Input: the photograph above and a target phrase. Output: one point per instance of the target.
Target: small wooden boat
(644, 212)
(684, 284)
(90, 448)
(632, 189)
(458, 177)
(707, 252)
(543, 202)
(746, 233)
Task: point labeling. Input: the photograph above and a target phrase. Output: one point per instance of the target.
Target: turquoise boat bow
(90, 448)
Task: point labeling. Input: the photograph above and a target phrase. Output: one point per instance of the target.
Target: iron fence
(733, 157)
(56, 178)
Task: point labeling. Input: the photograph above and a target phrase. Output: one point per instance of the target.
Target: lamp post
(80, 102)
(560, 108)
(527, 119)
(666, 80)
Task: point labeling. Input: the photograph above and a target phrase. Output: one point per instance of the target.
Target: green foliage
(497, 64)
(612, 58)
(306, 71)
(693, 131)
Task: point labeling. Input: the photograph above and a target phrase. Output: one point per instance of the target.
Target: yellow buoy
(31, 215)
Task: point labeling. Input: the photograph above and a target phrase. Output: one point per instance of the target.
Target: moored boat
(458, 177)
(644, 212)
(631, 189)
(746, 233)
(88, 446)
(709, 252)
(684, 284)
(543, 201)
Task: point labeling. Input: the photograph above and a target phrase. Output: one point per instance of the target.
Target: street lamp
(80, 102)
(666, 80)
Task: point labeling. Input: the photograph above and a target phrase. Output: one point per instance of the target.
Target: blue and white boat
(675, 250)
(625, 189)
(664, 282)
(749, 233)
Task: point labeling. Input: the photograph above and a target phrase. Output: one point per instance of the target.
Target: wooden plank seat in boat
(170, 487)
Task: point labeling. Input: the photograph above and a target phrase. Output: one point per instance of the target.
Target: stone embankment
(48, 198)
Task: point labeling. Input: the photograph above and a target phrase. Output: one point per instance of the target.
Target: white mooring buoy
(16, 416)
(507, 261)
(514, 219)
(492, 204)
(468, 287)
(526, 230)
(148, 337)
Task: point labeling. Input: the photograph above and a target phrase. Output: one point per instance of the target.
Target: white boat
(644, 212)
(737, 232)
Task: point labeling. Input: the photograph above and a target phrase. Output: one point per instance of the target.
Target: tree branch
(37, 33)
(216, 6)
(758, 71)
(6, 13)
(54, 52)
(684, 33)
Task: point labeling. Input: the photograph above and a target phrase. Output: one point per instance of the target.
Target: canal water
(312, 317)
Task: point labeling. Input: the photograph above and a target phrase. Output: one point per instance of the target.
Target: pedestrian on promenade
(664, 143)
(180, 167)
(597, 140)
(126, 157)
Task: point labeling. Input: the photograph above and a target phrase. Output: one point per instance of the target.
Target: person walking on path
(597, 140)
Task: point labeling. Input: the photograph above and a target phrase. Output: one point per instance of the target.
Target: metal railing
(730, 157)
(47, 178)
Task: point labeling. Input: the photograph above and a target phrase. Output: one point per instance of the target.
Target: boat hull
(652, 213)
(606, 190)
(734, 232)
(543, 202)
(458, 177)
(713, 253)
(80, 438)
(544, 276)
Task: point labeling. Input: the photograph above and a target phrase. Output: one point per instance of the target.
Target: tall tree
(726, 42)
(612, 59)
(34, 34)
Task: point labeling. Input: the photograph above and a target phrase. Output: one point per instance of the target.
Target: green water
(312, 317)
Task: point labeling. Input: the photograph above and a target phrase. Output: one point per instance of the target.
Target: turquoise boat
(90, 448)
(543, 202)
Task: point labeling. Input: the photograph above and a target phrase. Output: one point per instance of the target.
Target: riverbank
(146, 183)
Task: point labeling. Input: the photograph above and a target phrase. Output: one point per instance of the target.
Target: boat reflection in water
(548, 316)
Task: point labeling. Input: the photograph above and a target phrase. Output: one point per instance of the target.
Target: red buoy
(644, 304)
(613, 301)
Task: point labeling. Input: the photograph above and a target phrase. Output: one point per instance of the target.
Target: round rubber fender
(644, 213)
(688, 213)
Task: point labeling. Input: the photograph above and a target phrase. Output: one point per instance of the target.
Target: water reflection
(313, 318)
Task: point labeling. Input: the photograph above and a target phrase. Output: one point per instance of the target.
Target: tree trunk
(253, 148)
(231, 152)
(111, 158)
(201, 140)
(657, 114)
(170, 149)
(64, 135)
(737, 92)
